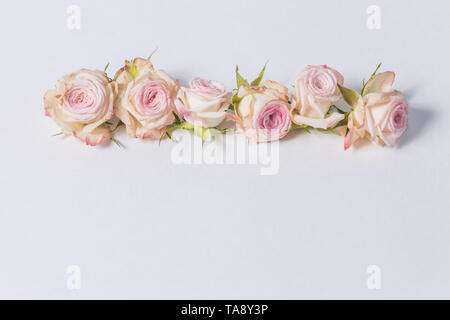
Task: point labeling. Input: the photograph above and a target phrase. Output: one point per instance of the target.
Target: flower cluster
(150, 104)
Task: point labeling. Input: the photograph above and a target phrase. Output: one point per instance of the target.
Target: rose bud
(81, 104)
(145, 101)
(263, 112)
(316, 91)
(381, 113)
(204, 103)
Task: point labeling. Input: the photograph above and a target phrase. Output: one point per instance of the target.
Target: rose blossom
(204, 103)
(381, 113)
(317, 90)
(263, 113)
(145, 101)
(81, 104)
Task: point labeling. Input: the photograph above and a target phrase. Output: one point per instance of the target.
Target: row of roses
(90, 106)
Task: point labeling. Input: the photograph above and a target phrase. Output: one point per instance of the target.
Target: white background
(141, 227)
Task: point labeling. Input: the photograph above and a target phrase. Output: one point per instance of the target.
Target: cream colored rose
(380, 113)
(263, 113)
(145, 101)
(204, 103)
(81, 103)
(316, 91)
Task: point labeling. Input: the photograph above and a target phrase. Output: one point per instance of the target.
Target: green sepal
(206, 133)
(151, 54)
(258, 80)
(235, 102)
(117, 142)
(202, 132)
(300, 126)
(177, 118)
(174, 126)
(373, 74)
(132, 69)
(240, 81)
(350, 96)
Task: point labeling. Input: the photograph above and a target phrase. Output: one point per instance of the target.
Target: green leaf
(106, 67)
(300, 126)
(151, 54)
(161, 137)
(177, 118)
(116, 142)
(376, 70)
(350, 96)
(182, 125)
(221, 131)
(240, 81)
(202, 132)
(258, 80)
(57, 134)
(373, 74)
(165, 133)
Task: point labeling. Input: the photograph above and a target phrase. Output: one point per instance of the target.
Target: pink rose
(317, 90)
(204, 103)
(81, 104)
(381, 113)
(263, 113)
(145, 102)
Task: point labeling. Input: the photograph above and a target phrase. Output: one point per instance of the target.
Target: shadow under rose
(293, 134)
(419, 120)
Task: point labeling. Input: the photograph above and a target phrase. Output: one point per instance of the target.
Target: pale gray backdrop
(141, 227)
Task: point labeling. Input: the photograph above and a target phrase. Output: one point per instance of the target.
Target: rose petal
(381, 82)
(329, 122)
